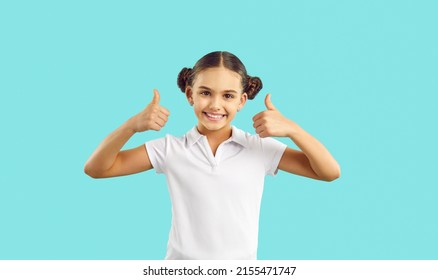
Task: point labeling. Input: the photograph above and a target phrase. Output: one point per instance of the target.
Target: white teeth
(214, 116)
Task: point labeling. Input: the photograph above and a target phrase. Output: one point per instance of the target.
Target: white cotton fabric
(215, 199)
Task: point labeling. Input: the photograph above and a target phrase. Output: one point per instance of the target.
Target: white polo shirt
(215, 199)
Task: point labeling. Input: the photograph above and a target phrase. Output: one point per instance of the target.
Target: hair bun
(183, 78)
(254, 85)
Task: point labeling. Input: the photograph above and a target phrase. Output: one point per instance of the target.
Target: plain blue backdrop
(361, 76)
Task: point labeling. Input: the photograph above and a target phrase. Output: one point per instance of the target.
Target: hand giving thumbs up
(271, 122)
(153, 117)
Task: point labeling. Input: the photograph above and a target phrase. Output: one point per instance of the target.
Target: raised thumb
(268, 103)
(156, 98)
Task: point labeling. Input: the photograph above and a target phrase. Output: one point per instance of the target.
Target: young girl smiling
(215, 172)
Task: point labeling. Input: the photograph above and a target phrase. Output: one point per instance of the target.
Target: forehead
(218, 78)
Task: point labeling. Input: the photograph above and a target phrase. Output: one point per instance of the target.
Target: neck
(217, 136)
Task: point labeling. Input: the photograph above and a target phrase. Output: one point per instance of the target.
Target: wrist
(129, 125)
(293, 130)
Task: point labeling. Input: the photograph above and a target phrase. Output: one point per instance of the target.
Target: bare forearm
(108, 161)
(322, 165)
(106, 153)
(320, 159)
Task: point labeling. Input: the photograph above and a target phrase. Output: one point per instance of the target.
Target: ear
(243, 100)
(189, 93)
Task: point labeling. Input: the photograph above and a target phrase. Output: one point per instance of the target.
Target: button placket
(207, 151)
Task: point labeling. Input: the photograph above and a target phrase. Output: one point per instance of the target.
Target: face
(216, 96)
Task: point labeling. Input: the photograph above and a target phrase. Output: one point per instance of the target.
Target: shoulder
(253, 140)
(240, 135)
(169, 140)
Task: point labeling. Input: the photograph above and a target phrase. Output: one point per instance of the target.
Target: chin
(215, 127)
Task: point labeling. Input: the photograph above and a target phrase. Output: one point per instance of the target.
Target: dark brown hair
(250, 85)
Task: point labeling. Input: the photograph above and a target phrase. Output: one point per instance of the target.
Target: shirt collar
(237, 136)
(193, 136)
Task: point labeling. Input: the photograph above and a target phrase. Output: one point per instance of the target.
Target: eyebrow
(227, 90)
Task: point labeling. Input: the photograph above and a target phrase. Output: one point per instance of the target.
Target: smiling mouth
(214, 117)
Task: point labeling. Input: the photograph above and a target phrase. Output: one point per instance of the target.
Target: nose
(215, 103)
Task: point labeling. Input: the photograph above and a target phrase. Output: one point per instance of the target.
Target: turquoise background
(361, 76)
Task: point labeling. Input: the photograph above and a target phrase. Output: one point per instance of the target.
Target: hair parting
(251, 85)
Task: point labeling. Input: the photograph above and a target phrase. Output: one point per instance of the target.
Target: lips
(214, 116)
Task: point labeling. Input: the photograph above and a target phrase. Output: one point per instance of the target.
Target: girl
(215, 172)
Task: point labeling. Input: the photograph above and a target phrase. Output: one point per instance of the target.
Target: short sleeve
(272, 150)
(157, 152)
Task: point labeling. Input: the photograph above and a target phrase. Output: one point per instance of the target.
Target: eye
(205, 93)
(228, 96)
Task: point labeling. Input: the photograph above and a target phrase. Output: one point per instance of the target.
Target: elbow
(331, 178)
(335, 174)
(91, 172)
